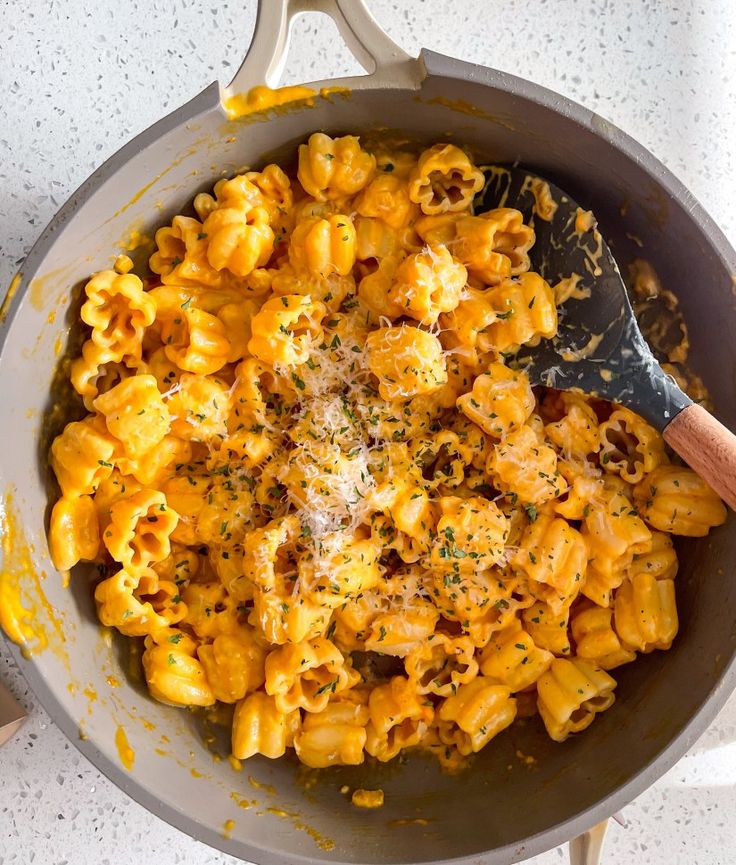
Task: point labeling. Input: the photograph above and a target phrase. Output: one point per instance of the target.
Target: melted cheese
(586, 350)
(367, 798)
(125, 752)
(25, 613)
(9, 295)
(544, 204)
(263, 98)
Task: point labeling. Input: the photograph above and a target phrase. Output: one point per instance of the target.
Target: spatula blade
(599, 348)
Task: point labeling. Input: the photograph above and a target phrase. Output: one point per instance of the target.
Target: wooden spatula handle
(708, 447)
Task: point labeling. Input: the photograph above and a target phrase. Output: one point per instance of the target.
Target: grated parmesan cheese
(331, 451)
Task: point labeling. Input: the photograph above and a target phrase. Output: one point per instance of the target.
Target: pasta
(318, 492)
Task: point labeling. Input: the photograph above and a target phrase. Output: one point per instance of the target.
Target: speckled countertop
(76, 82)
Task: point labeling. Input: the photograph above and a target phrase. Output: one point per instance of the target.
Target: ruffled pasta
(319, 493)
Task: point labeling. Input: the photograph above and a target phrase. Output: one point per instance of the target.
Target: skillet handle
(387, 65)
(586, 849)
(708, 447)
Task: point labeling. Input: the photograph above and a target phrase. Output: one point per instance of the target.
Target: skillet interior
(501, 805)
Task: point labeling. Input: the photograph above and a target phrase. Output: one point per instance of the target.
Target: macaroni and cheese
(317, 491)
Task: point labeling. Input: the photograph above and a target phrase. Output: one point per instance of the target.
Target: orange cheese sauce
(328, 92)
(125, 752)
(585, 222)
(408, 821)
(568, 287)
(235, 764)
(243, 803)
(42, 290)
(9, 295)
(25, 613)
(526, 759)
(143, 190)
(586, 351)
(134, 239)
(367, 798)
(91, 694)
(544, 204)
(320, 840)
(264, 98)
(464, 107)
(259, 785)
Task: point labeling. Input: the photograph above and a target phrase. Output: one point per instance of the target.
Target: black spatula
(599, 348)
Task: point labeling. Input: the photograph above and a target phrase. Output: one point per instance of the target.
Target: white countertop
(79, 78)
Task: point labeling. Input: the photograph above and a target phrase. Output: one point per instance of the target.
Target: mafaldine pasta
(317, 491)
